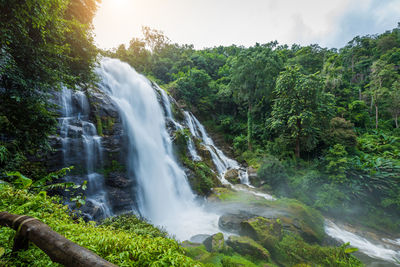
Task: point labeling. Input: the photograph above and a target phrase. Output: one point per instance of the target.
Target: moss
(228, 195)
(177, 112)
(215, 243)
(99, 125)
(292, 250)
(202, 178)
(309, 220)
(246, 246)
(114, 166)
(109, 123)
(226, 259)
(267, 232)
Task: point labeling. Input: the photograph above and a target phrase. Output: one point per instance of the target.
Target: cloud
(365, 17)
(209, 23)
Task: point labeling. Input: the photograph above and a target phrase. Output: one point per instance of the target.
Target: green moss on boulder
(267, 232)
(246, 246)
(215, 243)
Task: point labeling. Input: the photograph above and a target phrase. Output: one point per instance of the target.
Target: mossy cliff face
(104, 115)
(201, 175)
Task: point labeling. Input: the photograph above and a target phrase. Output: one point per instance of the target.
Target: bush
(272, 172)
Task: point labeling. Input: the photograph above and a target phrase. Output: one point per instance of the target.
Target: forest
(318, 127)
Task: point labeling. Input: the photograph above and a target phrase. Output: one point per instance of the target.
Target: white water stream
(374, 249)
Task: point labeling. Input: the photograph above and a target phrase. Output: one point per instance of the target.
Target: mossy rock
(232, 176)
(198, 253)
(205, 155)
(302, 219)
(267, 232)
(215, 243)
(244, 245)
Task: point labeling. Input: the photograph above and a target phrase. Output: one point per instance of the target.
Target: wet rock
(246, 246)
(118, 180)
(199, 238)
(92, 211)
(215, 243)
(267, 232)
(120, 200)
(232, 222)
(253, 177)
(232, 176)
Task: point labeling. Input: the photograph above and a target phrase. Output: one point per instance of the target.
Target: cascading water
(163, 193)
(79, 136)
(220, 160)
(388, 250)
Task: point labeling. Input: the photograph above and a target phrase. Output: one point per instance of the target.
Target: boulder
(232, 221)
(199, 238)
(267, 232)
(253, 177)
(215, 243)
(244, 245)
(232, 176)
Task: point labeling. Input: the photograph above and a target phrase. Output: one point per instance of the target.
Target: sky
(208, 23)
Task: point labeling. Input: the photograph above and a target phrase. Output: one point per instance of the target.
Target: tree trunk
(250, 127)
(396, 121)
(57, 247)
(297, 148)
(376, 116)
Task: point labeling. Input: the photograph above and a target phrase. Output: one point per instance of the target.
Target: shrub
(272, 172)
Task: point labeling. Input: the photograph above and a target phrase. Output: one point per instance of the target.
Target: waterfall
(220, 160)
(82, 148)
(163, 193)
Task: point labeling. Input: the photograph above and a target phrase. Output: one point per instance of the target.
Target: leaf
(2, 251)
(350, 250)
(22, 181)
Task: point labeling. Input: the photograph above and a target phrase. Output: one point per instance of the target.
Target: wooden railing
(57, 247)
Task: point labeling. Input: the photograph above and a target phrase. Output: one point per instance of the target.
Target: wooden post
(56, 246)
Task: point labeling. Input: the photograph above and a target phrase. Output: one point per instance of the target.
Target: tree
(43, 44)
(394, 107)
(382, 74)
(301, 109)
(193, 86)
(253, 76)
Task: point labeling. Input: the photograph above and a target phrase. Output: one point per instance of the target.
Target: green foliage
(293, 250)
(301, 109)
(21, 182)
(124, 247)
(43, 44)
(337, 163)
(132, 224)
(272, 172)
(341, 132)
